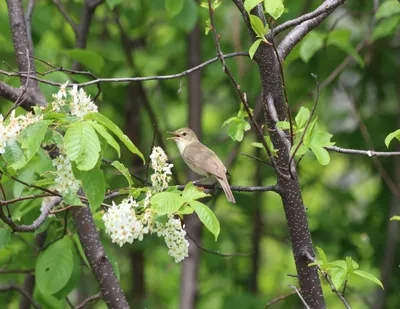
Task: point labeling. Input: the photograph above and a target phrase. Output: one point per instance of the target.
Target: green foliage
(341, 270)
(391, 136)
(275, 8)
(207, 217)
(102, 131)
(311, 44)
(103, 120)
(82, 145)
(237, 125)
(55, 266)
(387, 9)
(124, 171)
(166, 203)
(274, 151)
(395, 218)
(253, 47)
(191, 193)
(14, 155)
(94, 185)
(5, 237)
(341, 39)
(89, 58)
(386, 27)
(173, 7)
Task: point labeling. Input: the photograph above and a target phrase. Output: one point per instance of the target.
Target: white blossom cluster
(122, 224)
(10, 132)
(174, 236)
(162, 169)
(78, 101)
(65, 181)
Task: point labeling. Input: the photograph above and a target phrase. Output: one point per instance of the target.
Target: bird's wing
(214, 165)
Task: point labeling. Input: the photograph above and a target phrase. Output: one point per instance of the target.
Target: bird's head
(184, 136)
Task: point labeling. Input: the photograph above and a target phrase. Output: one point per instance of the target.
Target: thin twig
(16, 271)
(66, 16)
(151, 149)
(242, 95)
(308, 121)
(272, 40)
(88, 300)
(299, 294)
(22, 198)
(368, 153)
(215, 252)
(278, 299)
(19, 100)
(13, 287)
(63, 234)
(255, 158)
(128, 79)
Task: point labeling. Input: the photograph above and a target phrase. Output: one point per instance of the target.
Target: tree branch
(127, 79)
(298, 33)
(20, 290)
(64, 13)
(88, 300)
(369, 153)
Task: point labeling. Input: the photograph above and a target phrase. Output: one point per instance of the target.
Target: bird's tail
(225, 186)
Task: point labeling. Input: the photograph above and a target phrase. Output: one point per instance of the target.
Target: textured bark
(22, 45)
(98, 260)
(190, 266)
(289, 189)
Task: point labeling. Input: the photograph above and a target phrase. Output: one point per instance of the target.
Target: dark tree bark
(289, 188)
(190, 266)
(87, 231)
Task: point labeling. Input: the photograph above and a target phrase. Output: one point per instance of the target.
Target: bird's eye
(184, 134)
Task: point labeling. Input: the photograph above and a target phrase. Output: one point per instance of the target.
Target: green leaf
(311, 131)
(250, 4)
(80, 249)
(187, 17)
(191, 192)
(368, 276)
(253, 48)
(124, 171)
(94, 185)
(113, 3)
(275, 8)
(14, 155)
(166, 202)
(338, 276)
(387, 9)
(185, 210)
(5, 237)
(310, 45)
(391, 136)
(283, 125)
(82, 145)
(302, 117)
(72, 199)
(257, 25)
(341, 38)
(173, 7)
(207, 217)
(54, 267)
(90, 59)
(322, 255)
(107, 136)
(237, 127)
(258, 145)
(321, 154)
(386, 27)
(117, 131)
(74, 280)
(395, 218)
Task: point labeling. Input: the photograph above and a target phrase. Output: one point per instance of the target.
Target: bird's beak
(173, 137)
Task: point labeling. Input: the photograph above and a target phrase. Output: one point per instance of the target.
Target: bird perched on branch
(201, 159)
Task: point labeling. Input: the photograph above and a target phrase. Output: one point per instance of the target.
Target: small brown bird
(201, 159)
